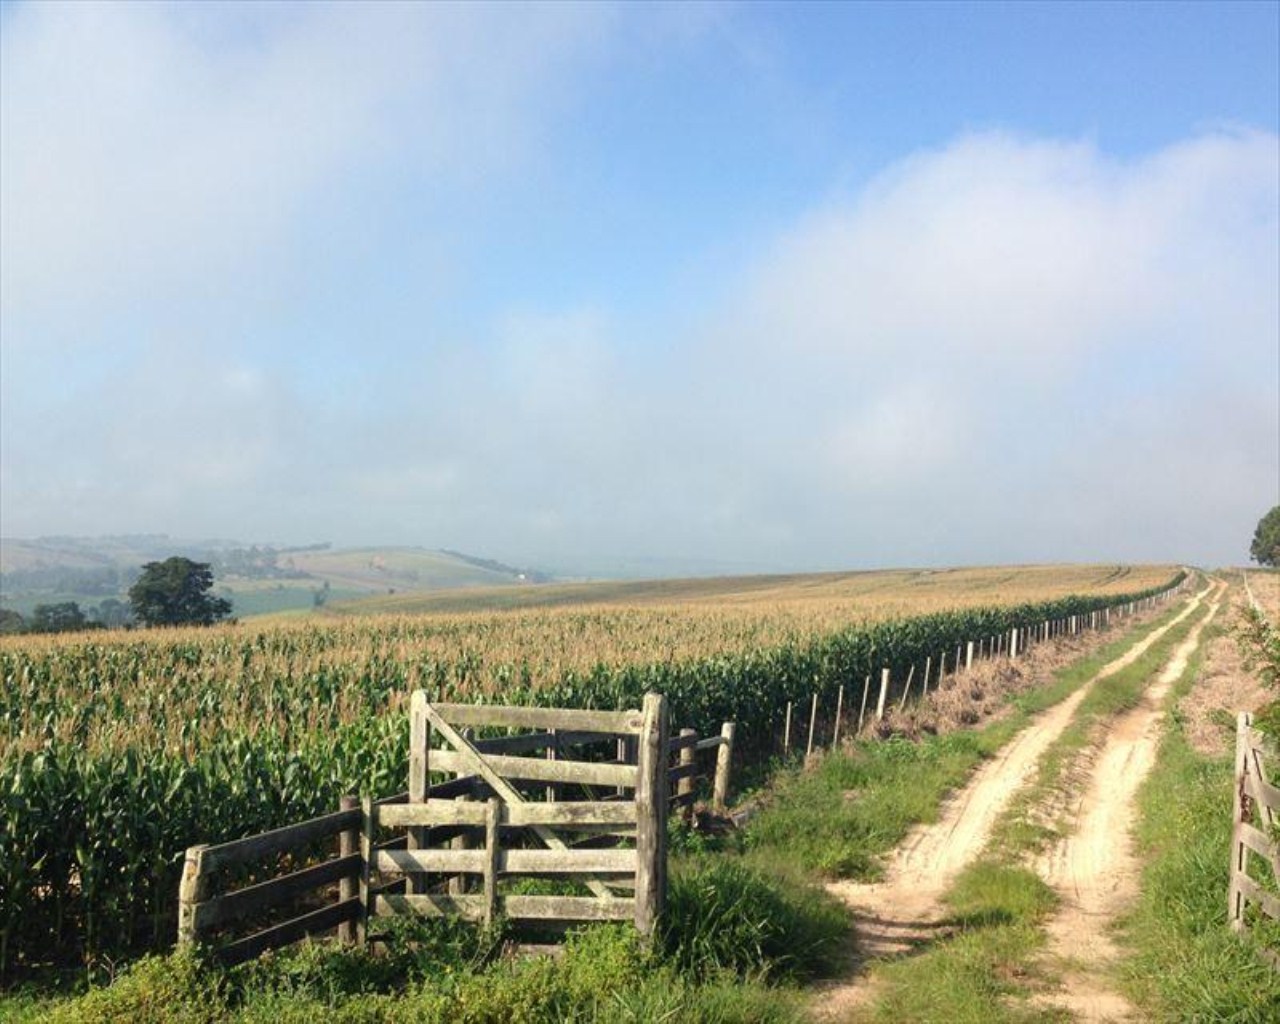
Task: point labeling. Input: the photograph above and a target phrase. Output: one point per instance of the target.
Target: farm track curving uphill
(905, 909)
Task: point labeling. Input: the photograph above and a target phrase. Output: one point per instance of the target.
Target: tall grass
(1184, 963)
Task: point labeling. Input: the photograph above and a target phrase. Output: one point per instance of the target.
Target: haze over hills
(257, 578)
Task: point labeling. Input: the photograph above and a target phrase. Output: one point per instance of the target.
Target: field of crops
(118, 751)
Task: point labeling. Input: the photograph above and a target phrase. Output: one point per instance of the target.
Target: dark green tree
(11, 621)
(175, 592)
(62, 617)
(1265, 548)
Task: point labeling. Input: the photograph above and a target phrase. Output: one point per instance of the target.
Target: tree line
(175, 592)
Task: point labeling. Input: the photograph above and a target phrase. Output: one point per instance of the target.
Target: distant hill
(878, 592)
(257, 578)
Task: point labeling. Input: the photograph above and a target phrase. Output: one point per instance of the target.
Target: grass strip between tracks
(985, 969)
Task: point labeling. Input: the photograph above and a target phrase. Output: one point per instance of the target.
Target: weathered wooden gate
(531, 812)
(518, 807)
(1254, 815)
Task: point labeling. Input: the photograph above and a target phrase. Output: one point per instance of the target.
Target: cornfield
(119, 751)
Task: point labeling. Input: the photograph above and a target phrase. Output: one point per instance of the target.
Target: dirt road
(905, 909)
(1094, 869)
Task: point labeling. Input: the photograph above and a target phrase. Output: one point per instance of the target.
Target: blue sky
(687, 286)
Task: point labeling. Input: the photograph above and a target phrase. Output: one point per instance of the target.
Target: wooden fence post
(368, 825)
(724, 758)
(419, 744)
(461, 883)
(493, 816)
(884, 692)
(552, 753)
(193, 889)
(906, 690)
(866, 689)
(685, 786)
(651, 815)
(786, 733)
(1239, 852)
(835, 733)
(1013, 644)
(813, 721)
(968, 656)
(928, 664)
(348, 885)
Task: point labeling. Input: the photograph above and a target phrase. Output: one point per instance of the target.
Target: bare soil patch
(1227, 686)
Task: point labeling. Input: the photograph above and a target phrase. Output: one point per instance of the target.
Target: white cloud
(154, 150)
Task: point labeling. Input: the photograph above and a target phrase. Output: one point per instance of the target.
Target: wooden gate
(597, 821)
(1253, 817)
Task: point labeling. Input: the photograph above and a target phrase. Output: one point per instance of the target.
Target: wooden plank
(687, 738)
(586, 813)
(501, 787)
(574, 861)
(585, 773)
(444, 862)
(280, 840)
(685, 771)
(568, 908)
(582, 813)
(1269, 903)
(1269, 794)
(613, 723)
(1260, 843)
(578, 861)
(436, 812)
(516, 908)
(233, 906)
(709, 743)
(289, 931)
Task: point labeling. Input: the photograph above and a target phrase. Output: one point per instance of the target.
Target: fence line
(1012, 644)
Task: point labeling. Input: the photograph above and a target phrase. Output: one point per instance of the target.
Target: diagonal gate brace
(500, 786)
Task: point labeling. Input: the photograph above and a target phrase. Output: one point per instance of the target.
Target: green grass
(981, 973)
(977, 977)
(1183, 963)
(733, 943)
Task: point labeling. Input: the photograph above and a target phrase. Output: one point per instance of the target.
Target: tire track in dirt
(1094, 870)
(905, 909)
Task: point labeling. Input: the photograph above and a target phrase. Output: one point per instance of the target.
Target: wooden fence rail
(1256, 803)
(503, 816)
